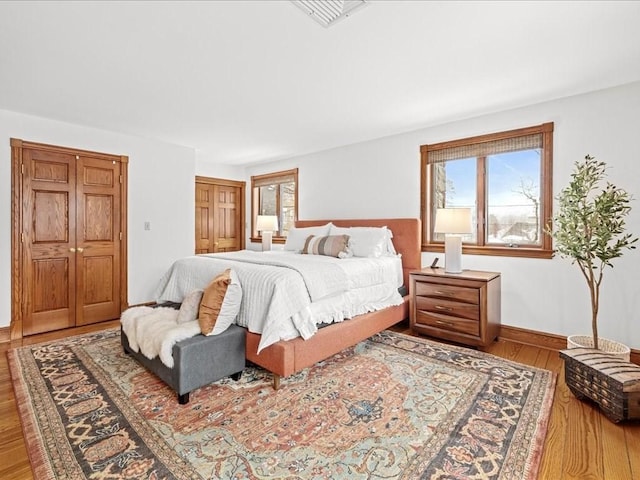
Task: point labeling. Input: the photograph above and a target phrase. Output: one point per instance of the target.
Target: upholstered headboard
(406, 237)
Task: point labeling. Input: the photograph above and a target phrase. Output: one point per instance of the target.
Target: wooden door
(204, 218)
(69, 249)
(49, 262)
(219, 215)
(97, 240)
(227, 222)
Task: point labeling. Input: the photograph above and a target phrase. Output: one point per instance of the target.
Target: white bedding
(285, 294)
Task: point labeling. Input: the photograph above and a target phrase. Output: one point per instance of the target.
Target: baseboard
(5, 334)
(534, 338)
(549, 341)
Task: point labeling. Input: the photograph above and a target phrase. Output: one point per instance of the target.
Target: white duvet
(286, 295)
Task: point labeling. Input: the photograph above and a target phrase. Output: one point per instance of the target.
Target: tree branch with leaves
(589, 226)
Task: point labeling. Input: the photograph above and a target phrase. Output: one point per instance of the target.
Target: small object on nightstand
(459, 307)
(435, 262)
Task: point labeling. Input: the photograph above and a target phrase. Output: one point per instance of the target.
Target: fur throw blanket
(154, 331)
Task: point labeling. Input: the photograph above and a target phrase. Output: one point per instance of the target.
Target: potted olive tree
(589, 228)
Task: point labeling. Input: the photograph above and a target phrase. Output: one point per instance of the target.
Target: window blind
(482, 149)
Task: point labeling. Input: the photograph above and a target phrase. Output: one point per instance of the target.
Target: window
(505, 178)
(275, 194)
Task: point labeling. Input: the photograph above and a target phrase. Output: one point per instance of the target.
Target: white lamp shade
(267, 223)
(453, 220)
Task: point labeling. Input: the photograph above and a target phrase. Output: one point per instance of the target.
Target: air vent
(328, 12)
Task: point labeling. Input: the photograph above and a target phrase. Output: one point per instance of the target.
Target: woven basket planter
(617, 349)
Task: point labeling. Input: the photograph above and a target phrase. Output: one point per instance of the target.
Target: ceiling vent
(328, 12)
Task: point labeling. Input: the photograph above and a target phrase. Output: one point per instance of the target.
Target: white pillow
(367, 241)
(190, 305)
(391, 249)
(297, 236)
(230, 305)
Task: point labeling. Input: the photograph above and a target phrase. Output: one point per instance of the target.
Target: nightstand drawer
(448, 308)
(461, 294)
(459, 307)
(446, 322)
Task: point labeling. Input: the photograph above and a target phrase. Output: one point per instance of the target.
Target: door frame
(17, 197)
(231, 183)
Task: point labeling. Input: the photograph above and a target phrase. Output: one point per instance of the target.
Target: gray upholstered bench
(198, 361)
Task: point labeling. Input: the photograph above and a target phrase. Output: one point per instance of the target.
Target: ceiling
(250, 81)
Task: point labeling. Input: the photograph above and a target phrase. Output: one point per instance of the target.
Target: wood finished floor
(580, 444)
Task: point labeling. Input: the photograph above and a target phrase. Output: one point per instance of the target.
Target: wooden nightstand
(459, 307)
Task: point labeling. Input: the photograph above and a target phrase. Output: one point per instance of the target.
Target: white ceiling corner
(328, 12)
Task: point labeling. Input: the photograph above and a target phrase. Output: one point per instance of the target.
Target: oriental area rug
(393, 406)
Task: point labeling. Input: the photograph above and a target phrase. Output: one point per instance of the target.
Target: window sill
(522, 252)
(273, 240)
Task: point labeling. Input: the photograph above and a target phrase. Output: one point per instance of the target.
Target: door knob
(80, 249)
(72, 250)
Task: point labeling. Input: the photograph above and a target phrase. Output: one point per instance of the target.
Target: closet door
(227, 222)
(204, 218)
(49, 267)
(97, 240)
(69, 248)
(219, 215)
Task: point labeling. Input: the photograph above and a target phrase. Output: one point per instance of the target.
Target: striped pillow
(331, 246)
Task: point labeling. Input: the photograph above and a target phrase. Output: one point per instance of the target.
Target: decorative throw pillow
(230, 305)
(212, 299)
(220, 303)
(365, 241)
(391, 249)
(190, 306)
(297, 236)
(331, 246)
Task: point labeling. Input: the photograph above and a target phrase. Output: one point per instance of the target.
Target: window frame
(285, 176)
(545, 250)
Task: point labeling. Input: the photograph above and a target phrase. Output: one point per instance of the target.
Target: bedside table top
(466, 274)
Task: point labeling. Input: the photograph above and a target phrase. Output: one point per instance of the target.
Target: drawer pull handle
(438, 292)
(440, 322)
(440, 307)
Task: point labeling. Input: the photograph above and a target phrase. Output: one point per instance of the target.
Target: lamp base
(266, 241)
(453, 254)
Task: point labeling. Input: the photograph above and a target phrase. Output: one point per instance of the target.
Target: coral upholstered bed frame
(285, 358)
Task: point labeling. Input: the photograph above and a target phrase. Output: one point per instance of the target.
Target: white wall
(208, 167)
(161, 191)
(381, 178)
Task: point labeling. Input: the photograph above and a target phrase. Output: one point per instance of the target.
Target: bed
(286, 357)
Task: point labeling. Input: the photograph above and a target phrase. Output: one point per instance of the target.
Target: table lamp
(453, 222)
(267, 224)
